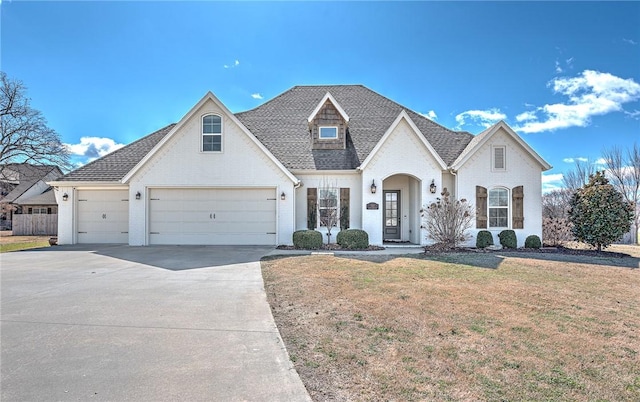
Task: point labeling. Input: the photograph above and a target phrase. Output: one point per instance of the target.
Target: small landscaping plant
(353, 239)
(508, 239)
(532, 241)
(484, 239)
(307, 239)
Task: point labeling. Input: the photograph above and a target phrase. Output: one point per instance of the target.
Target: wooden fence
(35, 225)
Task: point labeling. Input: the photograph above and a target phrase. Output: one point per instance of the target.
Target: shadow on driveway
(174, 258)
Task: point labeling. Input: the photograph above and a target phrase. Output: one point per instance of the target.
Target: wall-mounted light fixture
(432, 187)
(65, 197)
(373, 187)
(138, 195)
(283, 196)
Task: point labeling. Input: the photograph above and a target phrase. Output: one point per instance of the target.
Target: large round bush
(307, 239)
(353, 239)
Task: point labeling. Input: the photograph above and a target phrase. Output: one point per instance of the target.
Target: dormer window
(212, 133)
(328, 133)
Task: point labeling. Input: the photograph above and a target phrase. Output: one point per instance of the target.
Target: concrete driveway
(140, 323)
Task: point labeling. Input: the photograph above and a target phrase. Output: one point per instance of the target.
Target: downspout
(455, 181)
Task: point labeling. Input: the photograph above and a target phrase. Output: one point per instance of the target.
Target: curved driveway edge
(141, 323)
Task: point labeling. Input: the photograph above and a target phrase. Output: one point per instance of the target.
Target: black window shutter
(312, 208)
(344, 208)
(481, 207)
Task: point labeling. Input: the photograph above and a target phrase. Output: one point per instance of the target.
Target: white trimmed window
(211, 133)
(328, 207)
(499, 158)
(328, 132)
(498, 208)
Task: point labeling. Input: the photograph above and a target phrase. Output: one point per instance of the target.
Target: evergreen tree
(599, 213)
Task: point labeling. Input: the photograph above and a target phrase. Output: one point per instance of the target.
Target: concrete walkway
(389, 250)
(117, 323)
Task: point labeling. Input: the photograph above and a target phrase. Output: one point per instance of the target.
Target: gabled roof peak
(335, 103)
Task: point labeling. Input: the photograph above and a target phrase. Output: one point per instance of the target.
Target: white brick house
(255, 177)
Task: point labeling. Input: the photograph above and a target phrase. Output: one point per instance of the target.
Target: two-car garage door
(230, 216)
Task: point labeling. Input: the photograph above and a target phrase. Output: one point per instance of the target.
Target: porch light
(283, 196)
(65, 197)
(432, 187)
(373, 187)
(138, 195)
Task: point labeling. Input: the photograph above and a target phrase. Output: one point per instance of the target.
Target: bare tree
(623, 172)
(24, 134)
(556, 226)
(328, 206)
(579, 176)
(447, 220)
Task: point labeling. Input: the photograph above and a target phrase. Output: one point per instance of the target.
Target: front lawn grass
(17, 243)
(460, 327)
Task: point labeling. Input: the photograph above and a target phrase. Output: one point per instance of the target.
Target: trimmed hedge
(307, 239)
(484, 239)
(508, 239)
(353, 239)
(532, 241)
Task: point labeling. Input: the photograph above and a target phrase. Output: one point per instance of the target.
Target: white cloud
(569, 62)
(526, 116)
(93, 147)
(590, 94)
(600, 162)
(484, 118)
(558, 68)
(235, 64)
(634, 115)
(551, 182)
(431, 114)
(257, 96)
(630, 41)
(572, 160)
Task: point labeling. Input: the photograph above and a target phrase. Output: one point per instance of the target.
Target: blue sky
(566, 75)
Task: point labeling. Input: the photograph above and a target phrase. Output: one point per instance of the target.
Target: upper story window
(498, 208)
(328, 133)
(499, 158)
(212, 133)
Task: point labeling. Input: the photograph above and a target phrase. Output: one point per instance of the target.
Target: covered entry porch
(401, 204)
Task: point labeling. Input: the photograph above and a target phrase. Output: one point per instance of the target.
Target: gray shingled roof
(114, 166)
(281, 125)
(24, 176)
(46, 198)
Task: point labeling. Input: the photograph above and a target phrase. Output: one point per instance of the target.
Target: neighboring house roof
(23, 176)
(46, 198)
(281, 124)
(114, 166)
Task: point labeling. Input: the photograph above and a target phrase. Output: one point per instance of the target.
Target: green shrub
(484, 239)
(353, 239)
(308, 239)
(508, 239)
(532, 241)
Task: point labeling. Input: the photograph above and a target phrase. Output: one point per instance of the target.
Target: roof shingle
(281, 125)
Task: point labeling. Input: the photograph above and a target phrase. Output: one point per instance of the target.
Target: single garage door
(103, 216)
(212, 216)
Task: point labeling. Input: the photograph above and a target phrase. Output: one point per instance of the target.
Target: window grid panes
(212, 133)
(391, 209)
(328, 206)
(499, 208)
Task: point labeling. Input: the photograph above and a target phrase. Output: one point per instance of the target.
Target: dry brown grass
(474, 326)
